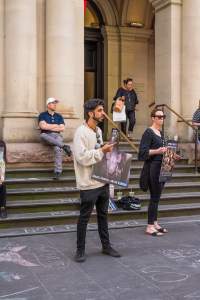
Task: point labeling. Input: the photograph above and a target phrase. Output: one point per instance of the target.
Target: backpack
(129, 203)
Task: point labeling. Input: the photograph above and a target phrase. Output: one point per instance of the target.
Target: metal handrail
(124, 136)
(187, 123)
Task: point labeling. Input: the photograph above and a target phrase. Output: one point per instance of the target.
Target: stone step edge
(72, 178)
(75, 213)
(17, 170)
(43, 190)
(75, 201)
(55, 229)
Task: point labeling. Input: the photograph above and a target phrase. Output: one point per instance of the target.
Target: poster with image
(168, 161)
(114, 168)
(2, 165)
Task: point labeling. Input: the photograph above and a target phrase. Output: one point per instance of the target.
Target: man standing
(52, 125)
(89, 150)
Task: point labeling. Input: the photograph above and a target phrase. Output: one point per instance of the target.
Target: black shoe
(80, 256)
(67, 150)
(3, 213)
(57, 175)
(110, 251)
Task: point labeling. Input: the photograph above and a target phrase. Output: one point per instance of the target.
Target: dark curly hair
(90, 105)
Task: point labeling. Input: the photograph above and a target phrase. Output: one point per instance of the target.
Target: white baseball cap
(51, 100)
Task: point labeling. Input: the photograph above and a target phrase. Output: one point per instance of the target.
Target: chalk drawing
(18, 293)
(195, 295)
(164, 274)
(48, 256)
(180, 253)
(12, 255)
(9, 277)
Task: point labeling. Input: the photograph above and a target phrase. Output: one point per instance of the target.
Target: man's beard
(98, 120)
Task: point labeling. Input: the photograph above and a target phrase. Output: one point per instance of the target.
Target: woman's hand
(161, 150)
(177, 157)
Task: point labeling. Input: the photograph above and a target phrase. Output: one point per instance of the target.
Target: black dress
(151, 170)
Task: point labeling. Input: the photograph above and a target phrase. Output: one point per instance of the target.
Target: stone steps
(47, 181)
(70, 217)
(37, 203)
(69, 171)
(52, 192)
(56, 204)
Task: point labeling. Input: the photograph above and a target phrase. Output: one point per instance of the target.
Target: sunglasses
(160, 117)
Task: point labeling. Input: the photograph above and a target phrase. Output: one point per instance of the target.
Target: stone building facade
(156, 42)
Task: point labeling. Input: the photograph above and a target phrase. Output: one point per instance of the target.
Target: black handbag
(145, 176)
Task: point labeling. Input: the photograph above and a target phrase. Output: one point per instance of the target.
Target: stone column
(1, 60)
(111, 65)
(190, 57)
(20, 70)
(168, 57)
(65, 57)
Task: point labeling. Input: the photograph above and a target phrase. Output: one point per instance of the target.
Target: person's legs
(2, 195)
(102, 215)
(52, 139)
(3, 211)
(88, 199)
(102, 219)
(56, 140)
(131, 118)
(123, 127)
(58, 154)
(155, 188)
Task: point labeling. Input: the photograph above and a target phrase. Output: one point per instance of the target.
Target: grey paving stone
(151, 268)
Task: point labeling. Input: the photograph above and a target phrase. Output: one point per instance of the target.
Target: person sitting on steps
(52, 125)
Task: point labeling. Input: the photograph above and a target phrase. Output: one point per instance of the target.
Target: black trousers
(155, 188)
(2, 194)
(123, 127)
(131, 117)
(89, 198)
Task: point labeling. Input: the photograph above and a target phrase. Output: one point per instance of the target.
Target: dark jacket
(130, 98)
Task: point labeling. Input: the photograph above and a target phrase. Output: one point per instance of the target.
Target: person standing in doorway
(89, 150)
(52, 125)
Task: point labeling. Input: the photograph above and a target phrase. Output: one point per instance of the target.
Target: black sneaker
(67, 150)
(3, 213)
(57, 175)
(80, 256)
(110, 251)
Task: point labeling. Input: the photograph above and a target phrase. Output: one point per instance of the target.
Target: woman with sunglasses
(151, 152)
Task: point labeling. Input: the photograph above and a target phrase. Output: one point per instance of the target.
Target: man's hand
(107, 148)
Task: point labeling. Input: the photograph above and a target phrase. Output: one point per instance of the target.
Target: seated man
(52, 125)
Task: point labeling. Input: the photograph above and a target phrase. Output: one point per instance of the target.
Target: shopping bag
(120, 116)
